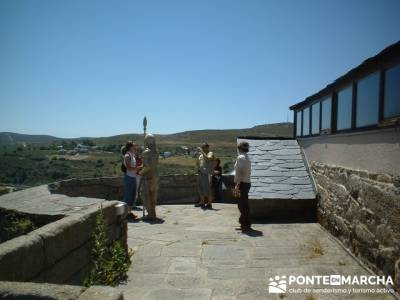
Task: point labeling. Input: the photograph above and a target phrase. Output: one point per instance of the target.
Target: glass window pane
(344, 108)
(298, 123)
(368, 100)
(306, 121)
(326, 106)
(315, 118)
(392, 93)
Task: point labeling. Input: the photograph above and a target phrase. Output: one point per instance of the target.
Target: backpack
(123, 167)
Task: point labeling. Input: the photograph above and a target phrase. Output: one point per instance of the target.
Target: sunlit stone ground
(198, 254)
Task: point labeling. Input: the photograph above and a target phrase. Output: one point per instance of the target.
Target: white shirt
(131, 173)
(242, 169)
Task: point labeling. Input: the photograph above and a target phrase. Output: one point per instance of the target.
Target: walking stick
(144, 136)
(139, 197)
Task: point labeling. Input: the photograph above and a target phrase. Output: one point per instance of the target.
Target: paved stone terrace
(198, 254)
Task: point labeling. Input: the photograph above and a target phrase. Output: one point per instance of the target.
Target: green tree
(226, 167)
(88, 142)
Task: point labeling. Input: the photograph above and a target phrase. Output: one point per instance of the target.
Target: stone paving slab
(196, 254)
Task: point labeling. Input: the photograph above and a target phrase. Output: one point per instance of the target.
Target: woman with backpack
(129, 168)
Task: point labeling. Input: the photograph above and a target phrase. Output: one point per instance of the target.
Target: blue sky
(94, 68)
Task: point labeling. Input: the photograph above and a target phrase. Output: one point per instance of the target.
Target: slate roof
(278, 170)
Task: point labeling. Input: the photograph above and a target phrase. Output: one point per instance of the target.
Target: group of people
(210, 181)
(140, 172)
(141, 176)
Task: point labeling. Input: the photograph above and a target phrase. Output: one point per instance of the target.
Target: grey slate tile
(292, 165)
(278, 170)
(285, 151)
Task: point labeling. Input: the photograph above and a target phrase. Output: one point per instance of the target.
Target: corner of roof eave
(294, 106)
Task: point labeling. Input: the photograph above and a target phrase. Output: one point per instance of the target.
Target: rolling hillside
(194, 136)
(39, 160)
(229, 135)
(10, 138)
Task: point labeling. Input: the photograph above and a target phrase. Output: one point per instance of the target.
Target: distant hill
(194, 136)
(229, 135)
(10, 138)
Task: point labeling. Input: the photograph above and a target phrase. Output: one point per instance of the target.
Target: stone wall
(108, 188)
(59, 252)
(363, 210)
(176, 189)
(44, 291)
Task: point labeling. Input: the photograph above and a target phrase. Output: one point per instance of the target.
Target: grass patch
(13, 225)
(315, 248)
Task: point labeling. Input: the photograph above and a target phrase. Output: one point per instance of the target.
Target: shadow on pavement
(253, 233)
(152, 221)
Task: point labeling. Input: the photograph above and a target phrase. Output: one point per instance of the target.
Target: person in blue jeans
(130, 177)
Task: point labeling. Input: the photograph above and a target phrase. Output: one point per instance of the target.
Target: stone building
(349, 132)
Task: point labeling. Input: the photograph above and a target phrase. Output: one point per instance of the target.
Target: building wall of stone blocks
(362, 209)
(59, 252)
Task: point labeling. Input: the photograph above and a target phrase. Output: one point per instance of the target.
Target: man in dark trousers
(242, 184)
